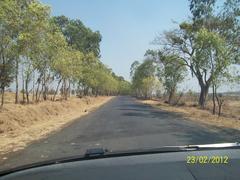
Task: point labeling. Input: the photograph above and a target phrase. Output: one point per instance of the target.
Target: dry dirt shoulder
(22, 124)
(197, 115)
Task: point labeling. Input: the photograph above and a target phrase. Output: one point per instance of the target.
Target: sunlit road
(121, 124)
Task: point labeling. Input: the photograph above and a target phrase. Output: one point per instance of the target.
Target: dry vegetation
(22, 124)
(230, 117)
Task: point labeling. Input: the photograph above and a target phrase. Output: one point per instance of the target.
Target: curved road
(121, 124)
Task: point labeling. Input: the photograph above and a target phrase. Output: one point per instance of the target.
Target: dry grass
(230, 109)
(22, 124)
(203, 116)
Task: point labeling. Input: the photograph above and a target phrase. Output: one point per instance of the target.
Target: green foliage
(173, 72)
(78, 36)
(201, 8)
(124, 87)
(51, 48)
(167, 67)
(208, 43)
(6, 73)
(144, 81)
(8, 43)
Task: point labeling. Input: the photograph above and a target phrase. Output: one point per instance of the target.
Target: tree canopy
(51, 55)
(208, 43)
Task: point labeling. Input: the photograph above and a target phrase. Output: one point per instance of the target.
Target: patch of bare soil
(197, 115)
(22, 124)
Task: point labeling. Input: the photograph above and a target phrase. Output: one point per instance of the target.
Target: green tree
(31, 37)
(8, 29)
(170, 70)
(46, 50)
(206, 41)
(79, 36)
(172, 73)
(143, 78)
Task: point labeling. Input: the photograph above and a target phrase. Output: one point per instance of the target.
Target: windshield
(121, 75)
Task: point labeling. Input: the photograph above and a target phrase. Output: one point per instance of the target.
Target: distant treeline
(39, 50)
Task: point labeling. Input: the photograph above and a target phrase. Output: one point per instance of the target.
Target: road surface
(121, 124)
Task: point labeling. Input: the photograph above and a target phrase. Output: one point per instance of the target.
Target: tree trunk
(2, 101)
(86, 89)
(37, 90)
(213, 99)
(55, 93)
(44, 88)
(203, 96)
(69, 88)
(26, 88)
(64, 89)
(219, 110)
(171, 96)
(16, 83)
(220, 103)
(38, 86)
(33, 87)
(23, 89)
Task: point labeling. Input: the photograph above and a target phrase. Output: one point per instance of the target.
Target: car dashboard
(157, 166)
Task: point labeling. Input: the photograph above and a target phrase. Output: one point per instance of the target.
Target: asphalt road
(121, 124)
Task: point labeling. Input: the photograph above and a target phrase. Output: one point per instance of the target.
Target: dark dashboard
(187, 165)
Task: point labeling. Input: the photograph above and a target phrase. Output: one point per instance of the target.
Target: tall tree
(172, 73)
(8, 44)
(170, 70)
(205, 41)
(34, 31)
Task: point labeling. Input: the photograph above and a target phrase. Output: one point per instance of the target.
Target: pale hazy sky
(127, 26)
